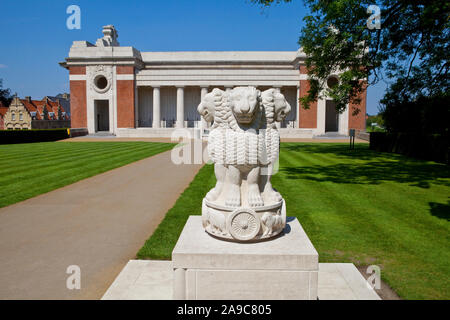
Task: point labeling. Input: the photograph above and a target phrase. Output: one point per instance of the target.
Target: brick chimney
(28, 98)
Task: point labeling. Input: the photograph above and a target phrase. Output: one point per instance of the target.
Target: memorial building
(128, 93)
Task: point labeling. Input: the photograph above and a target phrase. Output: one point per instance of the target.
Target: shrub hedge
(433, 147)
(34, 135)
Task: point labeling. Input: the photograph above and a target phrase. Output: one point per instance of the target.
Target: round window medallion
(101, 83)
(332, 81)
(243, 224)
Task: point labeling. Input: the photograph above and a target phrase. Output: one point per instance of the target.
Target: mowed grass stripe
(399, 191)
(358, 195)
(22, 152)
(36, 153)
(51, 166)
(49, 170)
(48, 177)
(41, 160)
(56, 164)
(52, 170)
(332, 197)
(399, 235)
(341, 211)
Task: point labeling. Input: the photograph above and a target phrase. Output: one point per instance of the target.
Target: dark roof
(65, 103)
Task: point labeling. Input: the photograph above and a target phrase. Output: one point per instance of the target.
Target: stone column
(203, 92)
(180, 107)
(156, 107)
(136, 107)
(297, 110)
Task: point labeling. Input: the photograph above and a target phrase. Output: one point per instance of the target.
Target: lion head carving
(207, 107)
(282, 107)
(275, 106)
(236, 112)
(244, 103)
(214, 107)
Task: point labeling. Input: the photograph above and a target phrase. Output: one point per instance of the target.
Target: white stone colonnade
(180, 103)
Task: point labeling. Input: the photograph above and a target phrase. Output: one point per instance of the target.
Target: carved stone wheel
(243, 224)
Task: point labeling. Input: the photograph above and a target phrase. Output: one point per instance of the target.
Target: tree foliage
(378, 119)
(424, 115)
(5, 95)
(411, 47)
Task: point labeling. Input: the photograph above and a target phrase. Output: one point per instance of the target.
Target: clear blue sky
(34, 36)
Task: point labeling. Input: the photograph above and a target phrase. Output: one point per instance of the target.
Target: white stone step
(153, 280)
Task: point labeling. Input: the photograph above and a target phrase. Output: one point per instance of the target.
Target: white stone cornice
(216, 83)
(304, 77)
(125, 77)
(76, 77)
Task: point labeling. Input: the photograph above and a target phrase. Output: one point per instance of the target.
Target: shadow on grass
(440, 210)
(341, 150)
(378, 168)
(372, 173)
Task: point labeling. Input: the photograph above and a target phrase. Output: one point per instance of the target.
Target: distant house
(64, 100)
(3, 110)
(47, 113)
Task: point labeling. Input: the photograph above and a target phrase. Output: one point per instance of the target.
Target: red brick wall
(358, 120)
(125, 69)
(125, 103)
(307, 117)
(303, 69)
(78, 103)
(2, 123)
(77, 70)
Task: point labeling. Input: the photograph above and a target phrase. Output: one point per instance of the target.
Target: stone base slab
(196, 132)
(153, 280)
(205, 267)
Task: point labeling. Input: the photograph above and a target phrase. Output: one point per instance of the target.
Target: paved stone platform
(153, 280)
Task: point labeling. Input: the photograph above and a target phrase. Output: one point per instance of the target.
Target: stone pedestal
(285, 267)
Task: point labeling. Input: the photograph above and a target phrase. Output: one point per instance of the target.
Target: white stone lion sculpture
(244, 145)
(243, 140)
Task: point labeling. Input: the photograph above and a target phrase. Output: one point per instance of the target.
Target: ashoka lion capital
(244, 145)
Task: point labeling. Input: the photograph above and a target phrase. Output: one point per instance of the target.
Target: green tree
(411, 47)
(378, 119)
(5, 95)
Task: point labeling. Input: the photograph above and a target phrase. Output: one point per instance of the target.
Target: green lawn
(357, 206)
(27, 170)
